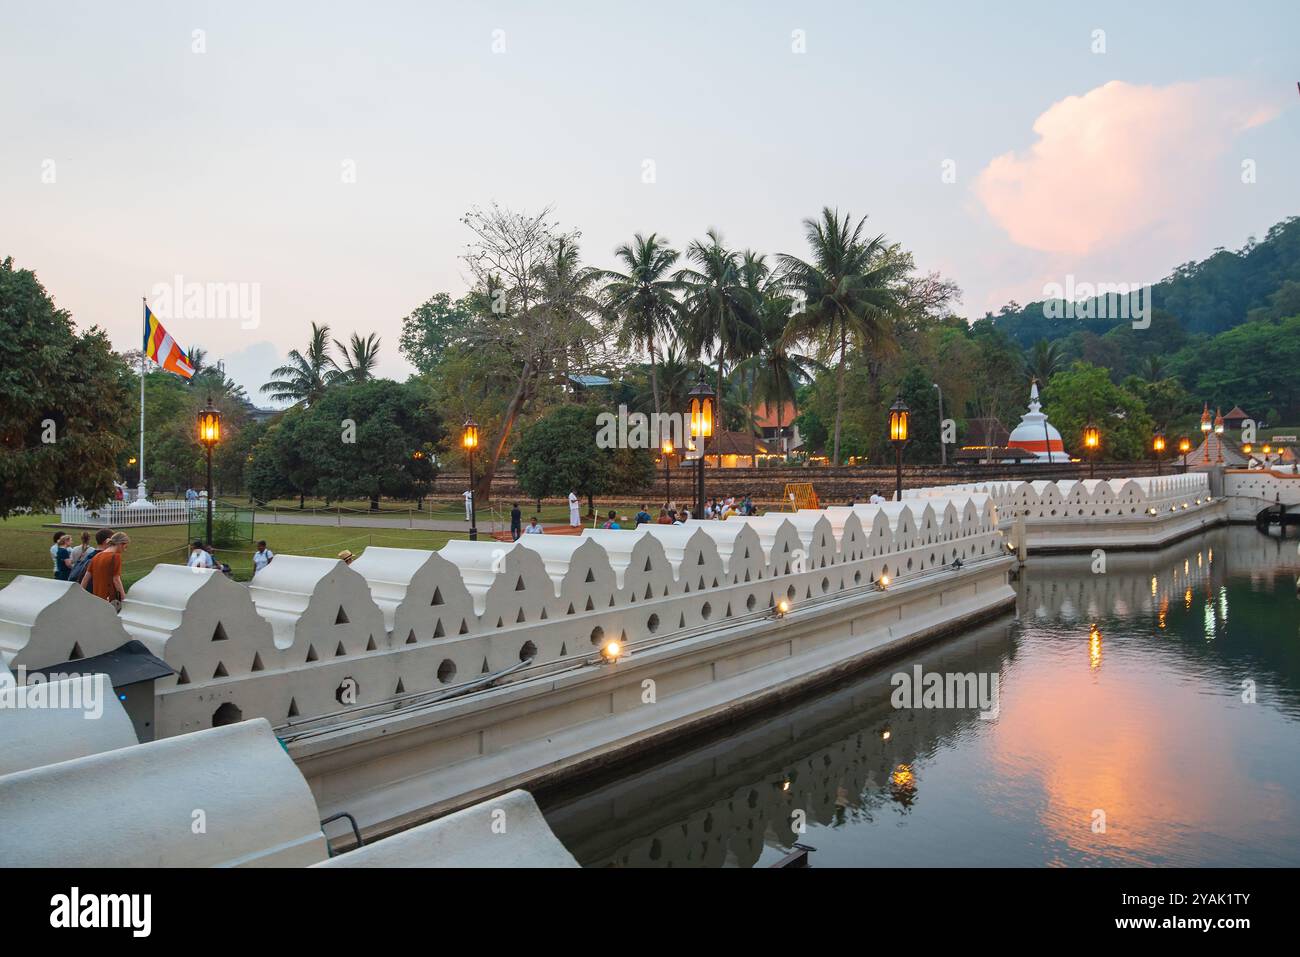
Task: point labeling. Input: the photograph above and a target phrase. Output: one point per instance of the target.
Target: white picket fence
(122, 515)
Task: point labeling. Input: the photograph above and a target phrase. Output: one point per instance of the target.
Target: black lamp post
(209, 436)
(469, 442)
(701, 413)
(1184, 446)
(899, 414)
(1091, 442)
(1158, 448)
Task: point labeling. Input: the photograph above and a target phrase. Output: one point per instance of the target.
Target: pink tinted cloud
(1115, 161)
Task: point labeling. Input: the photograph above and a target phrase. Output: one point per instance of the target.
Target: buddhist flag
(163, 349)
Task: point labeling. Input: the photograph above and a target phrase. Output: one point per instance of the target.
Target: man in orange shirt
(104, 576)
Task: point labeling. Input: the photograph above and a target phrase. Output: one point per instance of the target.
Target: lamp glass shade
(899, 416)
(1158, 443)
(1091, 437)
(209, 426)
(469, 437)
(702, 415)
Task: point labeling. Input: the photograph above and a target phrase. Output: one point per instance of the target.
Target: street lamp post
(701, 415)
(209, 436)
(1158, 447)
(1205, 431)
(1091, 442)
(943, 447)
(1218, 432)
(899, 414)
(469, 442)
(667, 450)
(1184, 446)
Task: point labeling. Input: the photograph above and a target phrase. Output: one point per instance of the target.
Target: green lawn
(25, 545)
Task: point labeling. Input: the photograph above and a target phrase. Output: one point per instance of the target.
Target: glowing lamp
(701, 412)
(899, 418)
(209, 426)
(1091, 437)
(611, 651)
(469, 436)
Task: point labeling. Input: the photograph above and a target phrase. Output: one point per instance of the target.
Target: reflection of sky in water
(1123, 699)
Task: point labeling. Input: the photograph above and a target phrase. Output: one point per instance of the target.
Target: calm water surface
(1178, 719)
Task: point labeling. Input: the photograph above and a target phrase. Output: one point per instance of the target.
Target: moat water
(1147, 715)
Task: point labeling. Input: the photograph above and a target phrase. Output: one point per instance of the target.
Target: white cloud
(1116, 162)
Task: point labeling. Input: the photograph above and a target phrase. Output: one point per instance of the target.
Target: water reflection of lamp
(1094, 647)
(902, 785)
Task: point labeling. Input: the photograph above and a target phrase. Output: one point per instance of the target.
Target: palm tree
(359, 358)
(717, 307)
(850, 294)
(197, 357)
(567, 299)
(1045, 359)
(1153, 368)
(644, 297)
(302, 380)
(777, 370)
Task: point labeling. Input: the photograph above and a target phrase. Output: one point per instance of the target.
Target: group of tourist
(95, 567)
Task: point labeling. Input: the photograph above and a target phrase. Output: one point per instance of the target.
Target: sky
(316, 158)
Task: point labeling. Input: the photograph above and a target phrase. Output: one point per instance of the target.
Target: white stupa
(1035, 434)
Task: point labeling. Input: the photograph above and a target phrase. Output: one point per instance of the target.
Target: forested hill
(1206, 297)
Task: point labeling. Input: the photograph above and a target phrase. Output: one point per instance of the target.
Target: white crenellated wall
(44, 621)
(311, 638)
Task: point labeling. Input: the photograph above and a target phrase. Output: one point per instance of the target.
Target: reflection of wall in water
(1146, 583)
(720, 804)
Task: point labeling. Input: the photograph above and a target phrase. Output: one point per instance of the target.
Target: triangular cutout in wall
(311, 653)
(340, 651)
(438, 631)
(293, 707)
(219, 633)
(184, 677)
(257, 662)
(437, 597)
(342, 617)
(221, 671)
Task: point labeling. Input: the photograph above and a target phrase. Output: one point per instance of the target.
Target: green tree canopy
(64, 401)
(1084, 393)
(359, 440)
(558, 454)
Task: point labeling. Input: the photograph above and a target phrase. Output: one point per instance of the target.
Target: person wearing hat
(346, 557)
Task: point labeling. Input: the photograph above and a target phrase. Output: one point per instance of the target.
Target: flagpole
(143, 352)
